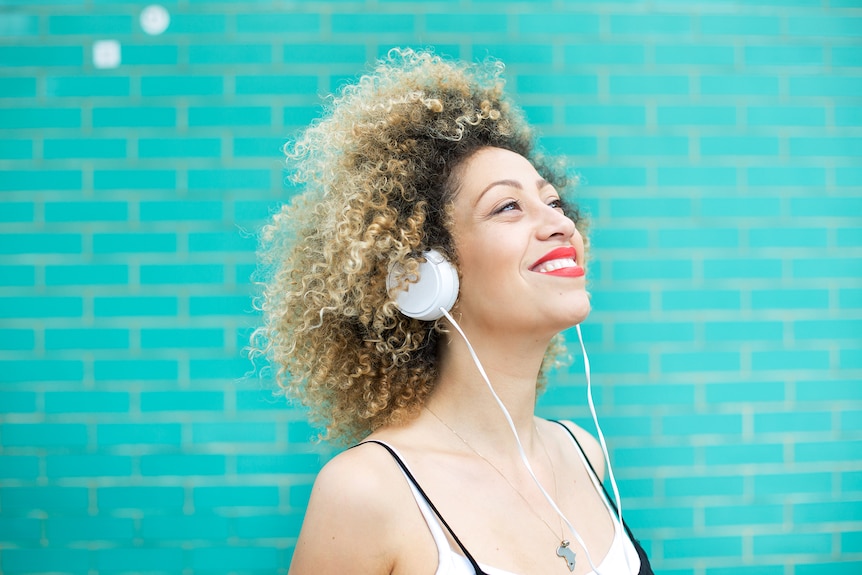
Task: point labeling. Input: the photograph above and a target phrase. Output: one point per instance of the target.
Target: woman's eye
(508, 207)
(556, 203)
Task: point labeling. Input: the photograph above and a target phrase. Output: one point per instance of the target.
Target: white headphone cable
(521, 451)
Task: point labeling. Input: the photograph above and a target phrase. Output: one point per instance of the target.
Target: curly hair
(378, 172)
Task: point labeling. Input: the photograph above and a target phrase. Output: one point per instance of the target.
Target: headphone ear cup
(435, 288)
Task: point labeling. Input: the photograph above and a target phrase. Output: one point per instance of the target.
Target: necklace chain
(563, 550)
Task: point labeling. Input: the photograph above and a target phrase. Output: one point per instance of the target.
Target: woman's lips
(560, 262)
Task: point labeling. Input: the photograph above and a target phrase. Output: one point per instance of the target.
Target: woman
(454, 473)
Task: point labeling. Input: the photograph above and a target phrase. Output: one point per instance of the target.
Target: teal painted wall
(720, 145)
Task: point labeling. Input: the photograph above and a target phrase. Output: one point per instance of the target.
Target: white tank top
(450, 562)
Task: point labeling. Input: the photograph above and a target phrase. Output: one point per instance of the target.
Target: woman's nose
(555, 223)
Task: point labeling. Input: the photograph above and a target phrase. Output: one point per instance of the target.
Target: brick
(799, 421)
(88, 466)
(182, 338)
(183, 465)
(230, 116)
(86, 211)
(63, 530)
(651, 269)
(345, 53)
(227, 54)
(34, 180)
(19, 25)
(219, 305)
(515, 54)
(828, 390)
(739, 85)
(837, 26)
(278, 24)
(239, 432)
(162, 498)
(44, 435)
(46, 306)
(542, 24)
(15, 149)
(134, 117)
(650, 23)
(147, 559)
(17, 276)
(682, 362)
(570, 146)
(744, 453)
(45, 497)
(726, 424)
(40, 243)
(181, 274)
(179, 148)
(842, 567)
(847, 116)
(151, 211)
(17, 212)
(135, 306)
(236, 496)
(745, 392)
(131, 179)
(605, 115)
(152, 401)
(134, 243)
(698, 238)
(831, 511)
(696, 115)
(648, 146)
(44, 370)
(742, 25)
(834, 147)
(42, 56)
(34, 118)
(99, 24)
(230, 179)
(829, 329)
(744, 515)
(778, 237)
(86, 402)
(269, 526)
(655, 331)
(22, 467)
(694, 55)
(825, 86)
(700, 299)
(786, 116)
(621, 176)
(197, 23)
(17, 339)
(22, 530)
(112, 434)
(346, 23)
(132, 370)
(653, 85)
(828, 451)
(787, 359)
(17, 402)
(41, 560)
(739, 146)
(219, 368)
(154, 86)
(825, 206)
(87, 86)
(790, 299)
(742, 268)
(236, 558)
(703, 486)
(149, 55)
(86, 275)
(299, 115)
(86, 338)
(783, 55)
(848, 176)
(17, 87)
(744, 331)
(827, 267)
(258, 400)
(276, 85)
(655, 456)
(278, 464)
(601, 54)
(697, 176)
(184, 527)
(780, 484)
(564, 84)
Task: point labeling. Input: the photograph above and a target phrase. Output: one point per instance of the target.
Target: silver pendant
(566, 553)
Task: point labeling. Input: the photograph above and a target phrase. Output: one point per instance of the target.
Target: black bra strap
(415, 483)
(645, 566)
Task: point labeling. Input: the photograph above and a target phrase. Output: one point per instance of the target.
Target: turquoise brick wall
(720, 148)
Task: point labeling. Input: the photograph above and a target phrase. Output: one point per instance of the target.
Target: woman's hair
(378, 173)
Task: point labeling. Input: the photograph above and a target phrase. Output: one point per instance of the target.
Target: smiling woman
(425, 163)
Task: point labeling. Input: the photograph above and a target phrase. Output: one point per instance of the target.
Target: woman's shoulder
(588, 443)
(357, 508)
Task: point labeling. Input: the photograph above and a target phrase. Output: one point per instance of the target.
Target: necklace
(564, 550)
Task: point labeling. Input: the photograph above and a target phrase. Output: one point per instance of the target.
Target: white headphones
(435, 288)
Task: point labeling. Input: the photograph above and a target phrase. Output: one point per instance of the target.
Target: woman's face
(520, 258)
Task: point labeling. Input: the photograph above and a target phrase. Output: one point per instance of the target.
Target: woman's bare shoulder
(353, 515)
(590, 445)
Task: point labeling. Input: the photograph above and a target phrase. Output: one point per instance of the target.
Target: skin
(362, 517)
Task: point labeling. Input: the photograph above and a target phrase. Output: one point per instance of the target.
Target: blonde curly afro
(377, 171)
